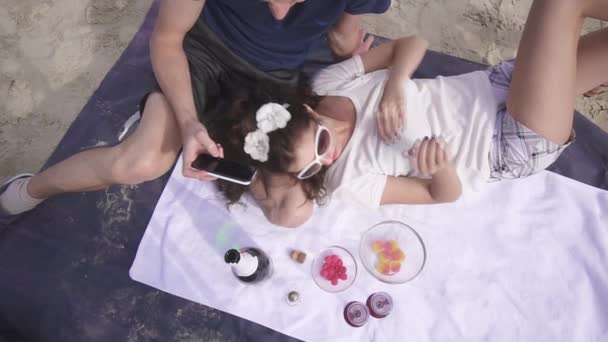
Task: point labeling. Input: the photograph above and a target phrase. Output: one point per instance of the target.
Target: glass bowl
(348, 262)
(392, 252)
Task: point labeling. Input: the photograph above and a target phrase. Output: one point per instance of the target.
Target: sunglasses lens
(324, 142)
(311, 171)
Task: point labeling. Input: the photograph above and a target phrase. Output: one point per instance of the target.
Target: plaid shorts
(516, 150)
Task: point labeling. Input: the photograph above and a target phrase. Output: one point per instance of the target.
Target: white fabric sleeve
(331, 77)
(365, 190)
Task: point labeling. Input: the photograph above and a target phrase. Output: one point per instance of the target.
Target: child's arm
(282, 200)
(444, 185)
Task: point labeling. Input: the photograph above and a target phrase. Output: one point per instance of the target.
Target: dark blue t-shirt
(248, 28)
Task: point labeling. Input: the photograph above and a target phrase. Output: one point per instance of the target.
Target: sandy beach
(54, 54)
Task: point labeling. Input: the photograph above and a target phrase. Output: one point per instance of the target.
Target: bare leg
(545, 83)
(147, 154)
(592, 61)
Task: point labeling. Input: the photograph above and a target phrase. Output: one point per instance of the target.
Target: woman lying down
(368, 133)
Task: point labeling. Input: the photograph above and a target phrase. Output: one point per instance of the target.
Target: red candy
(333, 269)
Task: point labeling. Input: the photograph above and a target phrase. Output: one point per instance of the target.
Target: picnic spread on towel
(518, 261)
(64, 266)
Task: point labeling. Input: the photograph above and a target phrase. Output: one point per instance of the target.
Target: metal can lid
(356, 314)
(380, 304)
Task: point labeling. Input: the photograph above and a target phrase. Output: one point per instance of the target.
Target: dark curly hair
(234, 116)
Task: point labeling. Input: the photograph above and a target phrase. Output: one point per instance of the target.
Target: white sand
(54, 54)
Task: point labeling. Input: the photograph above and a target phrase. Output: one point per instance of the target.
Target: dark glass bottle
(250, 265)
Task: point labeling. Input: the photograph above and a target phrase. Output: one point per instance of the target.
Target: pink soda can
(380, 304)
(356, 314)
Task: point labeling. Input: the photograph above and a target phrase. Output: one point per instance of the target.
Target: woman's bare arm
(444, 187)
(402, 56)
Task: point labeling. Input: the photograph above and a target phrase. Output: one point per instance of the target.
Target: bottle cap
(297, 256)
(293, 297)
(232, 256)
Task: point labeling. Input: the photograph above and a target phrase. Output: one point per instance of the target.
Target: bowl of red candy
(334, 269)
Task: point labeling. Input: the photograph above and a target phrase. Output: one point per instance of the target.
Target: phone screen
(224, 167)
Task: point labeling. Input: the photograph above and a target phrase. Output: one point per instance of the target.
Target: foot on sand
(14, 197)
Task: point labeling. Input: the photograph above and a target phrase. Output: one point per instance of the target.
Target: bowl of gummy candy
(393, 252)
(334, 269)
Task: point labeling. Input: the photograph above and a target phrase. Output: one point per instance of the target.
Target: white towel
(523, 260)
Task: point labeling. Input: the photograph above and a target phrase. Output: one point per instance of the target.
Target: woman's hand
(432, 161)
(440, 183)
(430, 155)
(390, 117)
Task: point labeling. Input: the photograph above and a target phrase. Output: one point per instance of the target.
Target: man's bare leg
(145, 155)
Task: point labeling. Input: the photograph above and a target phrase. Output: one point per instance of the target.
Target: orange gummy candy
(377, 246)
(390, 256)
(383, 267)
(400, 256)
(393, 245)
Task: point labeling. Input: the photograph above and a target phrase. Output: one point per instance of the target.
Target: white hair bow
(270, 117)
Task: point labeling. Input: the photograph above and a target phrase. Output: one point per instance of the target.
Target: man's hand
(346, 38)
(390, 116)
(364, 43)
(345, 45)
(196, 140)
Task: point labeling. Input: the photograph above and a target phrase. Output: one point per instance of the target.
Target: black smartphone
(225, 169)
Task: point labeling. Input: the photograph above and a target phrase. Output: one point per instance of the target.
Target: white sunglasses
(322, 144)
